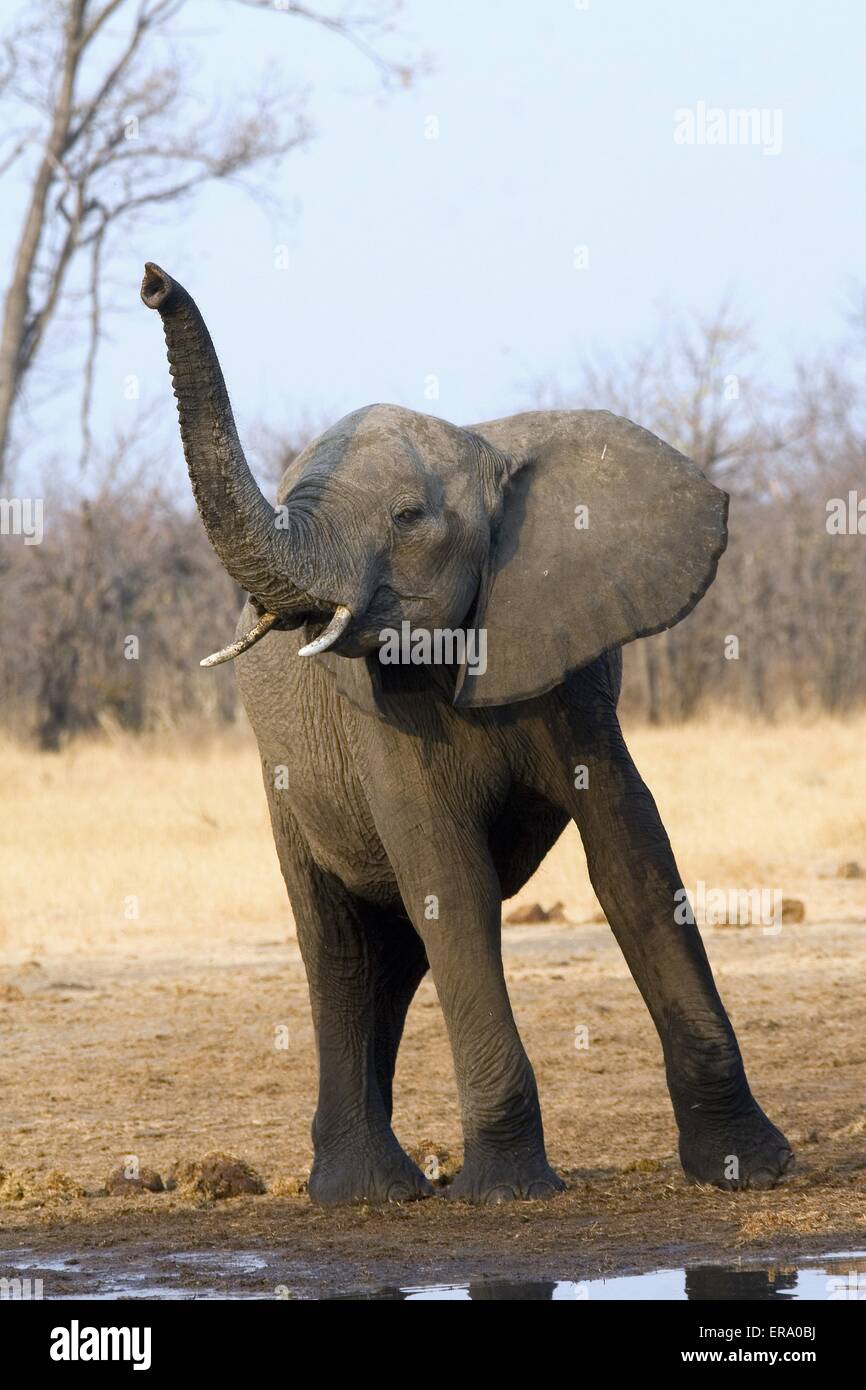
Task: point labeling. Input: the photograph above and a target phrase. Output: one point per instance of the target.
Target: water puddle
(136, 1274)
(140, 1273)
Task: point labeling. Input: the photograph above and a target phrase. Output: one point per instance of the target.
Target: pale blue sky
(455, 257)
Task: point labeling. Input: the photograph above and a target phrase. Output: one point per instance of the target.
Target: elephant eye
(408, 514)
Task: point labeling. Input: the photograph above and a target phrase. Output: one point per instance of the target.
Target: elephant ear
(606, 534)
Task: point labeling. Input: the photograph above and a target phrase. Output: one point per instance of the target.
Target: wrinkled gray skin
(419, 796)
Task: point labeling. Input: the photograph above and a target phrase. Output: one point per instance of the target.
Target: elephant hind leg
(725, 1137)
(400, 965)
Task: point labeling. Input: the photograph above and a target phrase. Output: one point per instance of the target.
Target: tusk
(243, 644)
(336, 627)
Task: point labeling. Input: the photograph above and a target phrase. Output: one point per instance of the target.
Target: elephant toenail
(541, 1189)
(497, 1195)
(762, 1179)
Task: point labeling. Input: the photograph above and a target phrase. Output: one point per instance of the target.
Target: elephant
(408, 797)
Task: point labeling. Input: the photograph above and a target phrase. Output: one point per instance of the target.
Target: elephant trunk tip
(156, 287)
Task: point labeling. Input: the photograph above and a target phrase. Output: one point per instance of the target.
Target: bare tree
(113, 133)
(104, 623)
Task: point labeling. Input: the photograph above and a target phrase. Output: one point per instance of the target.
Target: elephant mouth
(328, 633)
(331, 634)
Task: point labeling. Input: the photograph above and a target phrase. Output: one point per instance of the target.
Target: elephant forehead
(400, 437)
(379, 447)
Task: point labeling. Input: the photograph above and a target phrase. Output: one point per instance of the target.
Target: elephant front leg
(452, 894)
(357, 1157)
(725, 1137)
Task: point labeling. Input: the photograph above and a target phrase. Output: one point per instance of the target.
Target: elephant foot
(746, 1151)
(504, 1178)
(367, 1169)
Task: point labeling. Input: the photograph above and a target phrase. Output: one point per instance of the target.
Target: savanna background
(467, 211)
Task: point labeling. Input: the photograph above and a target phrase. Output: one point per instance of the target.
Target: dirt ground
(153, 1009)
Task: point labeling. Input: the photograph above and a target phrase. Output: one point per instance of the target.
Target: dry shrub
(119, 1183)
(33, 1189)
(215, 1177)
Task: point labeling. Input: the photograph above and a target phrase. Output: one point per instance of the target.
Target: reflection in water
(540, 1291)
(725, 1283)
(719, 1281)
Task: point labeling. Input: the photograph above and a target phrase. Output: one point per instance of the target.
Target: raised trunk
(240, 522)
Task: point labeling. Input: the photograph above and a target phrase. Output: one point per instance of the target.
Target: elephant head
(559, 534)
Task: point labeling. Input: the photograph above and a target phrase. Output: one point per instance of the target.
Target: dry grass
(184, 830)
